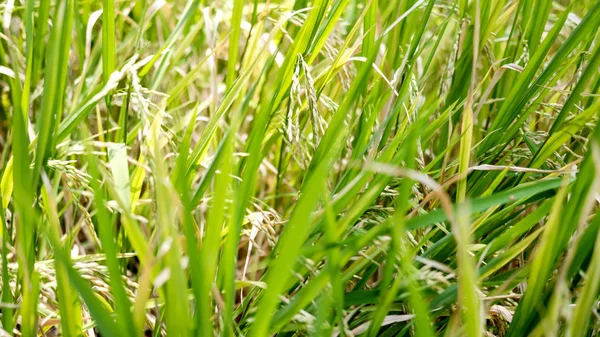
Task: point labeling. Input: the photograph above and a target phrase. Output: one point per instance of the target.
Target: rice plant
(300, 168)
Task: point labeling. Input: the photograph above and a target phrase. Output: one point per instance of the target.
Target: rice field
(300, 168)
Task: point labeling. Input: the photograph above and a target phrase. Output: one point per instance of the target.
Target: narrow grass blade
(108, 39)
(57, 64)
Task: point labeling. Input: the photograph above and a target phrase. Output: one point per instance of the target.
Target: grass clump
(300, 168)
